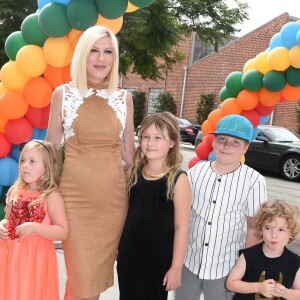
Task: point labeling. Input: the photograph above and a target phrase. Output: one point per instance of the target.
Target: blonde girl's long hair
(167, 124)
(82, 51)
(46, 183)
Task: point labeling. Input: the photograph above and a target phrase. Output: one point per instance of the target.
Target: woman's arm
(235, 283)
(127, 148)
(182, 207)
(55, 127)
(58, 230)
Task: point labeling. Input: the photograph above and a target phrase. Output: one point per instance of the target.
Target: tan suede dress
(93, 186)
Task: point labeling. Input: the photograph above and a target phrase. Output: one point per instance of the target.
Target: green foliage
(204, 107)
(298, 117)
(139, 100)
(166, 102)
(12, 14)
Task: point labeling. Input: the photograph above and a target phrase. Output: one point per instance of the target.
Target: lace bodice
(73, 99)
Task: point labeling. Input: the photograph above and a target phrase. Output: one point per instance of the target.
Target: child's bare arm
(182, 207)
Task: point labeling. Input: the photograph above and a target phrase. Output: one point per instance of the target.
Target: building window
(152, 100)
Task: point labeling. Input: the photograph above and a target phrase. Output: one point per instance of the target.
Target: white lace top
(73, 99)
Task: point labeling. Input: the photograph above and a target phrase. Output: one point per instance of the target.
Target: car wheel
(290, 168)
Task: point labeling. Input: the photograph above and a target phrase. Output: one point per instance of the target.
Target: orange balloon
(13, 105)
(74, 36)
(261, 63)
(2, 88)
(290, 93)
(58, 52)
(268, 98)
(3, 122)
(12, 78)
(131, 7)
(230, 107)
(57, 76)
(249, 65)
(247, 100)
(38, 92)
(114, 25)
(205, 127)
(242, 159)
(294, 55)
(214, 117)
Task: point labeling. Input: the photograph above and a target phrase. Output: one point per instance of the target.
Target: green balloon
(32, 32)
(224, 94)
(292, 76)
(141, 3)
(252, 80)
(233, 83)
(274, 81)
(53, 20)
(13, 44)
(82, 14)
(111, 9)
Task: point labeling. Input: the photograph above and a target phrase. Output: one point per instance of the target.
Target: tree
(12, 14)
(139, 100)
(166, 102)
(204, 107)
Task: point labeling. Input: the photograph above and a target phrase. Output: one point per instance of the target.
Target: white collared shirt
(220, 207)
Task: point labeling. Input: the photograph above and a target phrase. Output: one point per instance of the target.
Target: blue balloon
(211, 156)
(9, 171)
(276, 41)
(42, 3)
(288, 34)
(264, 119)
(255, 133)
(39, 134)
(298, 38)
(1, 189)
(15, 152)
(64, 2)
(201, 161)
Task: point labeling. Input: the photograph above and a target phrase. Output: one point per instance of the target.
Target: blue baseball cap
(235, 126)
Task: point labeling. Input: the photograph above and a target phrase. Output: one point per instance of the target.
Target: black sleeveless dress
(146, 246)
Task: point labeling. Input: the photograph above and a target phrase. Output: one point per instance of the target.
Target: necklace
(153, 176)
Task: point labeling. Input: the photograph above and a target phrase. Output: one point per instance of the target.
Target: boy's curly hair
(273, 209)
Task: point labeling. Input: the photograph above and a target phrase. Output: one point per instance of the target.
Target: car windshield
(184, 122)
(281, 135)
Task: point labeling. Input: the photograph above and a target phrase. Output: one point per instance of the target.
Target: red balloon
(18, 131)
(193, 161)
(38, 117)
(264, 110)
(252, 115)
(209, 139)
(203, 151)
(5, 145)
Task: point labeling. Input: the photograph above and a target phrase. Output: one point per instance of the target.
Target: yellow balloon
(3, 89)
(12, 78)
(261, 63)
(58, 52)
(278, 59)
(131, 8)
(114, 25)
(249, 65)
(31, 61)
(242, 159)
(295, 56)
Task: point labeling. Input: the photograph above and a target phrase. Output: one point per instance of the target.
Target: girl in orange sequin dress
(35, 217)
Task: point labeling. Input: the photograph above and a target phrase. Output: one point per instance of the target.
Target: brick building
(207, 75)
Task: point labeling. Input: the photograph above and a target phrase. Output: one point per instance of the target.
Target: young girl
(154, 240)
(269, 269)
(35, 217)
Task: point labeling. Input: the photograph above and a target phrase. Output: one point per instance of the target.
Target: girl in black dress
(269, 269)
(154, 239)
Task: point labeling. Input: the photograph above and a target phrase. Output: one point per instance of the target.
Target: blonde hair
(167, 124)
(273, 209)
(83, 49)
(49, 181)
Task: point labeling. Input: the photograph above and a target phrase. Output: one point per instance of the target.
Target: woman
(96, 120)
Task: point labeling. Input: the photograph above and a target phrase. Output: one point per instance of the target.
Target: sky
(262, 11)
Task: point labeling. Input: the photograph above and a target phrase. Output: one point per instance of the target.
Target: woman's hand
(172, 279)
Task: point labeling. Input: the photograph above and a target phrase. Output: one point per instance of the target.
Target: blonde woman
(95, 119)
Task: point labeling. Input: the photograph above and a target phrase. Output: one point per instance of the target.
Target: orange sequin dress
(28, 268)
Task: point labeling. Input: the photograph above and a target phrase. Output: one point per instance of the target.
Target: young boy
(226, 195)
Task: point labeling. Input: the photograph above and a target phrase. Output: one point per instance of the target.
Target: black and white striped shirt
(221, 204)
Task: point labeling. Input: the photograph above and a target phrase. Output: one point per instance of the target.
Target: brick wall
(208, 74)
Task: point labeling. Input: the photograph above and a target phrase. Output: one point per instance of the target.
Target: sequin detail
(22, 213)
(73, 99)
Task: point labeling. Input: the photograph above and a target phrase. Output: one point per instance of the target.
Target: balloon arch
(39, 60)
